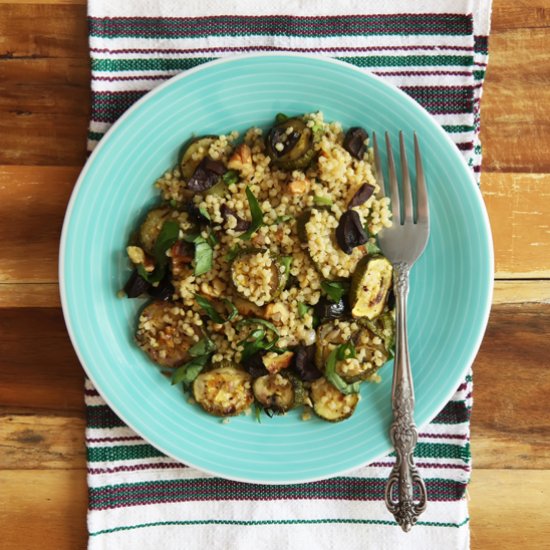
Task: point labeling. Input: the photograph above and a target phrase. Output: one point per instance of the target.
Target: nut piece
(241, 157)
(274, 362)
(136, 254)
(299, 187)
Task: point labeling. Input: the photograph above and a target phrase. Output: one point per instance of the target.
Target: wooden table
(44, 104)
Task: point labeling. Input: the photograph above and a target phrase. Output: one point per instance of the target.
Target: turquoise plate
(451, 285)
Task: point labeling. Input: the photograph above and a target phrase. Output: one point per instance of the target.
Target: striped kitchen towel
(436, 51)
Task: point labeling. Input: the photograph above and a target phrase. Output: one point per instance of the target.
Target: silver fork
(402, 244)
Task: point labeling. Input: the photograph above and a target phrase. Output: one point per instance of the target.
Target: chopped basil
(346, 351)
(258, 412)
(209, 308)
(232, 253)
(231, 177)
(334, 378)
(372, 249)
(286, 262)
(257, 340)
(302, 309)
(283, 219)
(191, 238)
(322, 201)
(188, 372)
(203, 256)
(212, 312)
(204, 213)
(173, 203)
(168, 235)
(256, 214)
(280, 118)
(334, 289)
(212, 239)
(233, 311)
(202, 347)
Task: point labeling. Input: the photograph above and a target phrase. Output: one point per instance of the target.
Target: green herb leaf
(202, 347)
(173, 203)
(232, 310)
(280, 118)
(212, 239)
(209, 309)
(286, 262)
(205, 214)
(191, 238)
(203, 256)
(188, 372)
(322, 201)
(334, 289)
(346, 351)
(231, 177)
(258, 413)
(232, 253)
(257, 321)
(334, 378)
(372, 249)
(283, 219)
(167, 237)
(302, 309)
(256, 214)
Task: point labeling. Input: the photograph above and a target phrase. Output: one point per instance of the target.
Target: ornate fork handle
(403, 432)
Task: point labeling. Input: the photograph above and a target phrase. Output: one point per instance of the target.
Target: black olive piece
(164, 290)
(304, 363)
(326, 309)
(391, 299)
(195, 214)
(350, 233)
(254, 365)
(206, 175)
(354, 142)
(362, 195)
(242, 225)
(136, 285)
(278, 135)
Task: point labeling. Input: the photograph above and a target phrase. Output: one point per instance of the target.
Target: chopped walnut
(241, 157)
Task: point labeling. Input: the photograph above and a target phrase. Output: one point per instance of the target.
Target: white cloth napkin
(436, 50)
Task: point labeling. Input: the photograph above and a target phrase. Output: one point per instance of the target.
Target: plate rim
(225, 60)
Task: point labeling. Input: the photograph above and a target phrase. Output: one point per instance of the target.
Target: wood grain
(29, 295)
(47, 509)
(509, 509)
(515, 130)
(31, 216)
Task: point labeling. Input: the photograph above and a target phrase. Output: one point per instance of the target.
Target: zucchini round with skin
(159, 334)
(195, 151)
(151, 226)
(370, 285)
(290, 144)
(225, 391)
(329, 403)
(275, 392)
(258, 275)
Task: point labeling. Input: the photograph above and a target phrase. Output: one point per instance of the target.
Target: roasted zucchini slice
(225, 391)
(160, 334)
(370, 285)
(151, 227)
(195, 150)
(258, 275)
(275, 392)
(329, 403)
(290, 144)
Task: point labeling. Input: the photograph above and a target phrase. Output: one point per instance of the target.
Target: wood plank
(509, 509)
(29, 295)
(510, 429)
(34, 201)
(44, 111)
(510, 422)
(521, 292)
(519, 212)
(43, 30)
(31, 215)
(40, 442)
(527, 14)
(43, 509)
(40, 369)
(515, 127)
